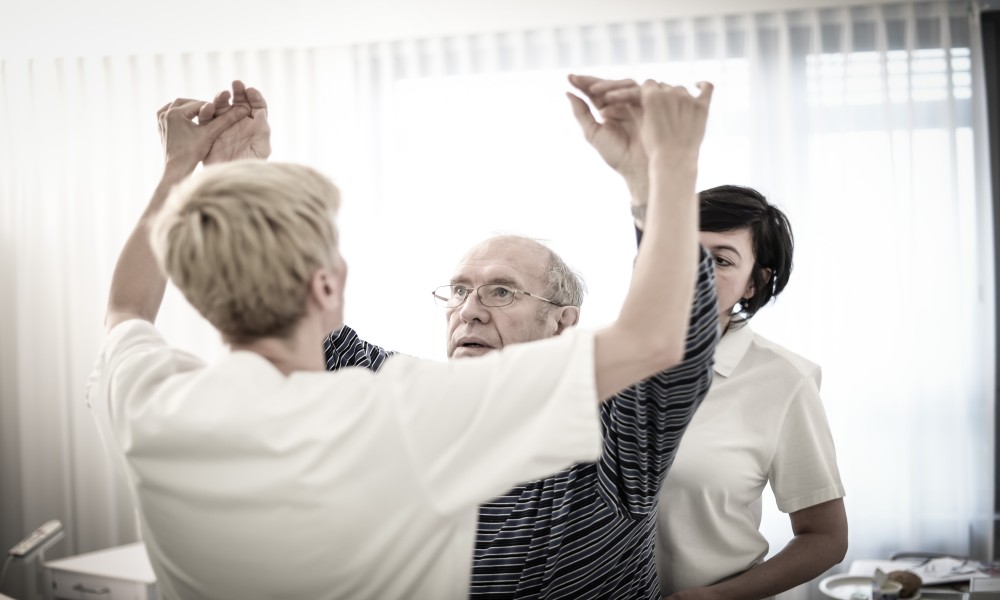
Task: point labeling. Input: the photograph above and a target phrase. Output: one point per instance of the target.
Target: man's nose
(473, 310)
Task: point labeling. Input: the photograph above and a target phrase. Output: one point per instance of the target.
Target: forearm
(805, 557)
(660, 297)
(137, 285)
(650, 331)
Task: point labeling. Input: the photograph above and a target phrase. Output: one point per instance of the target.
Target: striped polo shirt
(587, 532)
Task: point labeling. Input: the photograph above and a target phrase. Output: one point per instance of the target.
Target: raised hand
(673, 121)
(249, 137)
(185, 142)
(616, 136)
(137, 285)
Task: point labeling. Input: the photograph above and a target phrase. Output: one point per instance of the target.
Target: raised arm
(649, 334)
(137, 285)
(642, 436)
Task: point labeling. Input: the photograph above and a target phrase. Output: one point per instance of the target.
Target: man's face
(474, 329)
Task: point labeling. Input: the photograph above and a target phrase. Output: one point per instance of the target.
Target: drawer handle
(89, 590)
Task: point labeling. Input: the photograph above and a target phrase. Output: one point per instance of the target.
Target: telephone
(37, 542)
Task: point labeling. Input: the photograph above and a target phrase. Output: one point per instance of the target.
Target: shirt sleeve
(344, 348)
(644, 423)
(476, 426)
(134, 360)
(804, 471)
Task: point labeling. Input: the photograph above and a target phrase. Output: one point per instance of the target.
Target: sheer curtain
(864, 123)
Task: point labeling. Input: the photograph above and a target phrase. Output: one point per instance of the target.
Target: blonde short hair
(242, 240)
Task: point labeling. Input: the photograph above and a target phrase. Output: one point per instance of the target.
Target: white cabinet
(121, 573)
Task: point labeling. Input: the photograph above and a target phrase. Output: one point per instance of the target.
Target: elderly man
(586, 531)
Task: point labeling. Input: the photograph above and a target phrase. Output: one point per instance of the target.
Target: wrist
(175, 170)
(671, 160)
(638, 184)
(638, 187)
(672, 173)
(173, 173)
(178, 165)
(639, 215)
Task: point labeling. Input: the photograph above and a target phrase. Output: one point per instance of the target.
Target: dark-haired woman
(762, 423)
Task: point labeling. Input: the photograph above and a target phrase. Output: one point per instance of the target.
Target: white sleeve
(477, 426)
(133, 361)
(804, 472)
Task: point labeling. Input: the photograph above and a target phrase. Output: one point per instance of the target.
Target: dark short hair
(733, 207)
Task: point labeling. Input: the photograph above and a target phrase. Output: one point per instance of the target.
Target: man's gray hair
(566, 285)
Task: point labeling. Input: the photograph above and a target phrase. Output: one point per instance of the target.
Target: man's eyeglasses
(492, 295)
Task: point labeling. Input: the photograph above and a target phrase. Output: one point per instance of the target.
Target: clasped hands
(638, 121)
(233, 126)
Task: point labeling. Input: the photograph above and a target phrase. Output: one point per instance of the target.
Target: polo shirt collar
(732, 348)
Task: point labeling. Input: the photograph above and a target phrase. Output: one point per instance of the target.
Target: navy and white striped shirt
(588, 531)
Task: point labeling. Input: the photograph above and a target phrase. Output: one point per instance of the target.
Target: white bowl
(846, 586)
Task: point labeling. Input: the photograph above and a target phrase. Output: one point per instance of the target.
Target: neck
(303, 351)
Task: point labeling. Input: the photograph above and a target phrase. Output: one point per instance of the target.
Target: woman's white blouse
(762, 421)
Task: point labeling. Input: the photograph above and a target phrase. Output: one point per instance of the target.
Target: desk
(116, 573)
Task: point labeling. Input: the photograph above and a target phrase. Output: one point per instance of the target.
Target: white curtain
(864, 123)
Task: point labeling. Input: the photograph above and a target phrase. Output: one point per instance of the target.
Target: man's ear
(569, 317)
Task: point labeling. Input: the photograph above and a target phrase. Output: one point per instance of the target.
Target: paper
(985, 585)
(933, 572)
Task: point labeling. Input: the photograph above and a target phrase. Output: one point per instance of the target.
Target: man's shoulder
(573, 481)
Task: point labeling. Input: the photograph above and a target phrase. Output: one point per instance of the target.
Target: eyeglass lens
(489, 295)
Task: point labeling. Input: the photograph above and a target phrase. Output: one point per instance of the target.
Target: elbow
(840, 537)
(836, 544)
(821, 532)
(835, 548)
(839, 549)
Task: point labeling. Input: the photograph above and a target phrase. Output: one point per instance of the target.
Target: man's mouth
(471, 341)
(471, 346)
